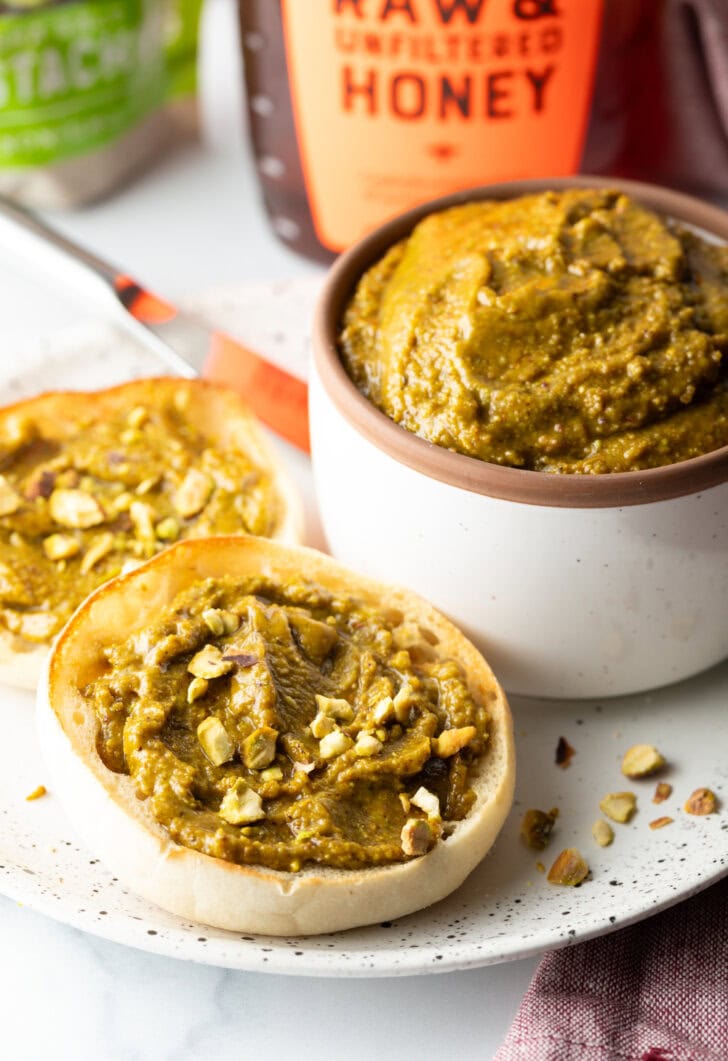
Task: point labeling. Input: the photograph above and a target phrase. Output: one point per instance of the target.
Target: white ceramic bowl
(572, 585)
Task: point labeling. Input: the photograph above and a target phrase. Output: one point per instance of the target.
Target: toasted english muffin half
(371, 799)
(93, 482)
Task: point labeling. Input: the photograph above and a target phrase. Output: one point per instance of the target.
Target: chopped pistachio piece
(564, 753)
(416, 836)
(213, 621)
(322, 725)
(209, 663)
(536, 828)
(241, 804)
(303, 768)
(192, 494)
(167, 530)
(602, 832)
(400, 660)
(68, 478)
(660, 823)
(426, 801)
(121, 503)
(197, 689)
(40, 484)
(146, 485)
(18, 430)
(230, 620)
(242, 660)
(137, 416)
(619, 806)
(259, 748)
(569, 868)
(75, 508)
(402, 703)
(304, 834)
(61, 546)
(271, 773)
(142, 516)
(367, 745)
(663, 791)
(216, 743)
(220, 622)
(334, 708)
(97, 550)
(10, 500)
(333, 744)
(405, 801)
(701, 801)
(315, 638)
(451, 741)
(641, 760)
(383, 710)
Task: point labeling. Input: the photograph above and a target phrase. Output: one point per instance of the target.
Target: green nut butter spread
(114, 492)
(564, 332)
(275, 723)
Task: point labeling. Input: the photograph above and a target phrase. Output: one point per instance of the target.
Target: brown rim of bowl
(608, 490)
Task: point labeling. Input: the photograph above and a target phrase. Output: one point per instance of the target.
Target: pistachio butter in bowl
(519, 408)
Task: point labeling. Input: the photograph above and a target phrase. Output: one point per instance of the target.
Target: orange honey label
(399, 101)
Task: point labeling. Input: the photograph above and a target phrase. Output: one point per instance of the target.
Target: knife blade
(278, 398)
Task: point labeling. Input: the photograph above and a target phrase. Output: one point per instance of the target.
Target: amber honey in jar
(360, 109)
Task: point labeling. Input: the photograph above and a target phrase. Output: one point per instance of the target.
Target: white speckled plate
(506, 909)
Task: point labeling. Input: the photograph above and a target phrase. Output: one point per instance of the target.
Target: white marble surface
(194, 224)
(69, 995)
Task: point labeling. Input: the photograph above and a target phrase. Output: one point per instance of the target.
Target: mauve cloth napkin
(656, 991)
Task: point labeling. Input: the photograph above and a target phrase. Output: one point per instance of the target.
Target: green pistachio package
(92, 92)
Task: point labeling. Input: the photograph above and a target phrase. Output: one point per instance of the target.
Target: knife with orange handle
(278, 398)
